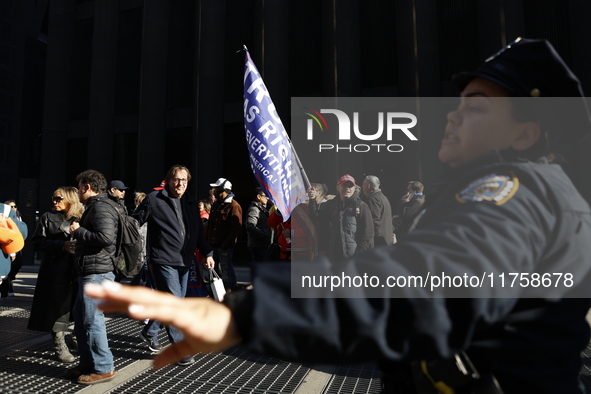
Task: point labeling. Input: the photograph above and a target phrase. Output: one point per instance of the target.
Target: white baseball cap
(223, 183)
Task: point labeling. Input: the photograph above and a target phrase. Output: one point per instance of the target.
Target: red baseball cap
(346, 178)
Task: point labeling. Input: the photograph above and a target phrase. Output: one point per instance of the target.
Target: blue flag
(272, 159)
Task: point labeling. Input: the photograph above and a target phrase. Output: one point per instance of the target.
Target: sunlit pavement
(27, 363)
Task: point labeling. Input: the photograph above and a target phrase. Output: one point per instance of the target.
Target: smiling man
(174, 231)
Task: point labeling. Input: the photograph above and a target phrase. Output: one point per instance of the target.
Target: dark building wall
(136, 86)
(23, 30)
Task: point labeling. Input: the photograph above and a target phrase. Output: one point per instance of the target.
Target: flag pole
(300, 166)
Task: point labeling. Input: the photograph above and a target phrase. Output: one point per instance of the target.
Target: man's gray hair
(373, 181)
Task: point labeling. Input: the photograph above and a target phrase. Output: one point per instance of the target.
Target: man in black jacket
(174, 231)
(351, 227)
(117, 193)
(95, 236)
(381, 211)
(259, 233)
(410, 206)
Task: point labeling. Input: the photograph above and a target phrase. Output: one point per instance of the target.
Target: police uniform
(498, 214)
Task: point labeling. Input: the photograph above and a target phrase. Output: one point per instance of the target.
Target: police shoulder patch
(494, 188)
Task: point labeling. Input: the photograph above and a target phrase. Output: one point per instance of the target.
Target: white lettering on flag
(270, 151)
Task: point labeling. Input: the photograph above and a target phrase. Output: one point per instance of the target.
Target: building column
(103, 75)
(54, 160)
(152, 112)
(208, 121)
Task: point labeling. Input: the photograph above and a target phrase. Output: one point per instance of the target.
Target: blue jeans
(170, 280)
(90, 328)
(224, 266)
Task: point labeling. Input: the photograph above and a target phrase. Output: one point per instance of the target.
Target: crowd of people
(78, 239)
(503, 207)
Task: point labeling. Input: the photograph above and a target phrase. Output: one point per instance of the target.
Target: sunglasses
(57, 199)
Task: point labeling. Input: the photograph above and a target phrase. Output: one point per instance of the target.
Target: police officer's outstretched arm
(501, 214)
(207, 325)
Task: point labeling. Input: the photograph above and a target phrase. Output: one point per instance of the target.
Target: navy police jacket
(492, 219)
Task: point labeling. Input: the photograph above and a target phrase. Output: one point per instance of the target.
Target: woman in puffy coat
(56, 283)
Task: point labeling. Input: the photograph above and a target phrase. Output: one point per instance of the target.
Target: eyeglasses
(57, 199)
(13, 206)
(179, 180)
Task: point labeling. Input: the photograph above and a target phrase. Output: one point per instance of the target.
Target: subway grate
(33, 369)
(13, 327)
(355, 379)
(233, 371)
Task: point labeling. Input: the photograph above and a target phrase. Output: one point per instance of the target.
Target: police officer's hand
(207, 325)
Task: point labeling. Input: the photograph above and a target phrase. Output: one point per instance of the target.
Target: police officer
(505, 211)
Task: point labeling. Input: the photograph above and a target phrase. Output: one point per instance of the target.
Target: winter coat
(381, 213)
(351, 227)
(96, 237)
(171, 240)
(259, 233)
(56, 285)
(5, 259)
(225, 222)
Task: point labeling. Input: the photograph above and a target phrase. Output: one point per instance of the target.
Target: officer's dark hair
(259, 191)
(416, 186)
(95, 179)
(522, 111)
(172, 171)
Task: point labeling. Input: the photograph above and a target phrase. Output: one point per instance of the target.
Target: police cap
(533, 68)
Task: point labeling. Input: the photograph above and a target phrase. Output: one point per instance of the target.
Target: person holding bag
(56, 283)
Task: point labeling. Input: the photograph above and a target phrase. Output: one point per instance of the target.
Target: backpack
(128, 258)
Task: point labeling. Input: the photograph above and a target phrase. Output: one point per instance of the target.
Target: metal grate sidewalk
(233, 371)
(358, 378)
(33, 369)
(27, 363)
